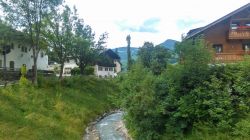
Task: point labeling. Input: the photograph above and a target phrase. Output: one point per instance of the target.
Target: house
(19, 55)
(229, 36)
(68, 66)
(109, 65)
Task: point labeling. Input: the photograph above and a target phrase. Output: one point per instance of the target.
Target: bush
(75, 71)
(89, 70)
(185, 95)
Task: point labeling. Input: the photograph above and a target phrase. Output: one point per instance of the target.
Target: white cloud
(103, 15)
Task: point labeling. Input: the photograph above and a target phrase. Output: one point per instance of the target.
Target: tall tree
(60, 35)
(28, 15)
(128, 39)
(154, 58)
(145, 53)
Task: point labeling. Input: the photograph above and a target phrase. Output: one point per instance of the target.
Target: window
(110, 69)
(99, 68)
(1, 63)
(246, 46)
(234, 26)
(67, 70)
(12, 65)
(218, 48)
(106, 69)
(12, 46)
(24, 49)
(42, 54)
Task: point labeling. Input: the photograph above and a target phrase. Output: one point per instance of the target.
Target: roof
(197, 31)
(111, 54)
(107, 58)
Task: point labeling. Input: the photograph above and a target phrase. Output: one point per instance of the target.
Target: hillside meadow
(53, 110)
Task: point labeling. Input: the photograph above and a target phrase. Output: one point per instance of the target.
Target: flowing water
(107, 127)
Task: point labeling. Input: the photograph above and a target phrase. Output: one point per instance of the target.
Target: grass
(53, 110)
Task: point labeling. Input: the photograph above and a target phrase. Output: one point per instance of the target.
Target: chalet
(229, 35)
(109, 66)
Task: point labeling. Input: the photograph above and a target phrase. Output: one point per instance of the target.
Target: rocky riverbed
(108, 127)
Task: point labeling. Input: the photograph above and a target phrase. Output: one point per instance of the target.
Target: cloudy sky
(150, 20)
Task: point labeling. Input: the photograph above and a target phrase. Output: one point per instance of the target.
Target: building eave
(218, 21)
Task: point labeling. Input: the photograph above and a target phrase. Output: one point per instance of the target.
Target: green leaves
(155, 58)
(185, 95)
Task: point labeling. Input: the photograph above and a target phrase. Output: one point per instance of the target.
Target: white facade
(68, 66)
(104, 72)
(118, 66)
(20, 55)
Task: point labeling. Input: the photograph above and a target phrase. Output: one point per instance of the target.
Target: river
(110, 128)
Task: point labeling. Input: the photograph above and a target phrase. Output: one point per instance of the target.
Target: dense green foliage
(154, 58)
(54, 110)
(187, 100)
(87, 71)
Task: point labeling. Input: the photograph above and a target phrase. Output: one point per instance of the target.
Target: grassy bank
(53, 110)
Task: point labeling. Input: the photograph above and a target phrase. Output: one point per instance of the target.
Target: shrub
(75, 71)
(89, 70)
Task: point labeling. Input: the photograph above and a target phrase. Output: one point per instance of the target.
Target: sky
(150, 20)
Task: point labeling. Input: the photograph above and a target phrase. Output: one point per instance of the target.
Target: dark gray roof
(197, 31)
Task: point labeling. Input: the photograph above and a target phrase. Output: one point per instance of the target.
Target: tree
(85, 50)
(60, 35)
(128, 39)
(160, 58)
(28, 15)
(145, 54)
(154, 58)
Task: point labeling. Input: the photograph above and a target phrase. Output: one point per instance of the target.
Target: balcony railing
(231, 56)
(240, 33)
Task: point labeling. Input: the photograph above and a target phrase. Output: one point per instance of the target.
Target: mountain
(122, 52)
(169, 43)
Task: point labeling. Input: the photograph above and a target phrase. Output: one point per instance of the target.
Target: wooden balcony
(230, 57)
(239, 33)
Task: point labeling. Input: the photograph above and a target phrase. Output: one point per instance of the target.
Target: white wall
(103, 73)
(21, 58)
(68, 66)
(118, 67)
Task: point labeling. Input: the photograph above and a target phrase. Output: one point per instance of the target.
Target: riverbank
(54, 110)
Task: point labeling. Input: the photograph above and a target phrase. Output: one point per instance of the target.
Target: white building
(104, 72)
(102, 69)
(110, 67)
(68, 66)
(20, 55)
